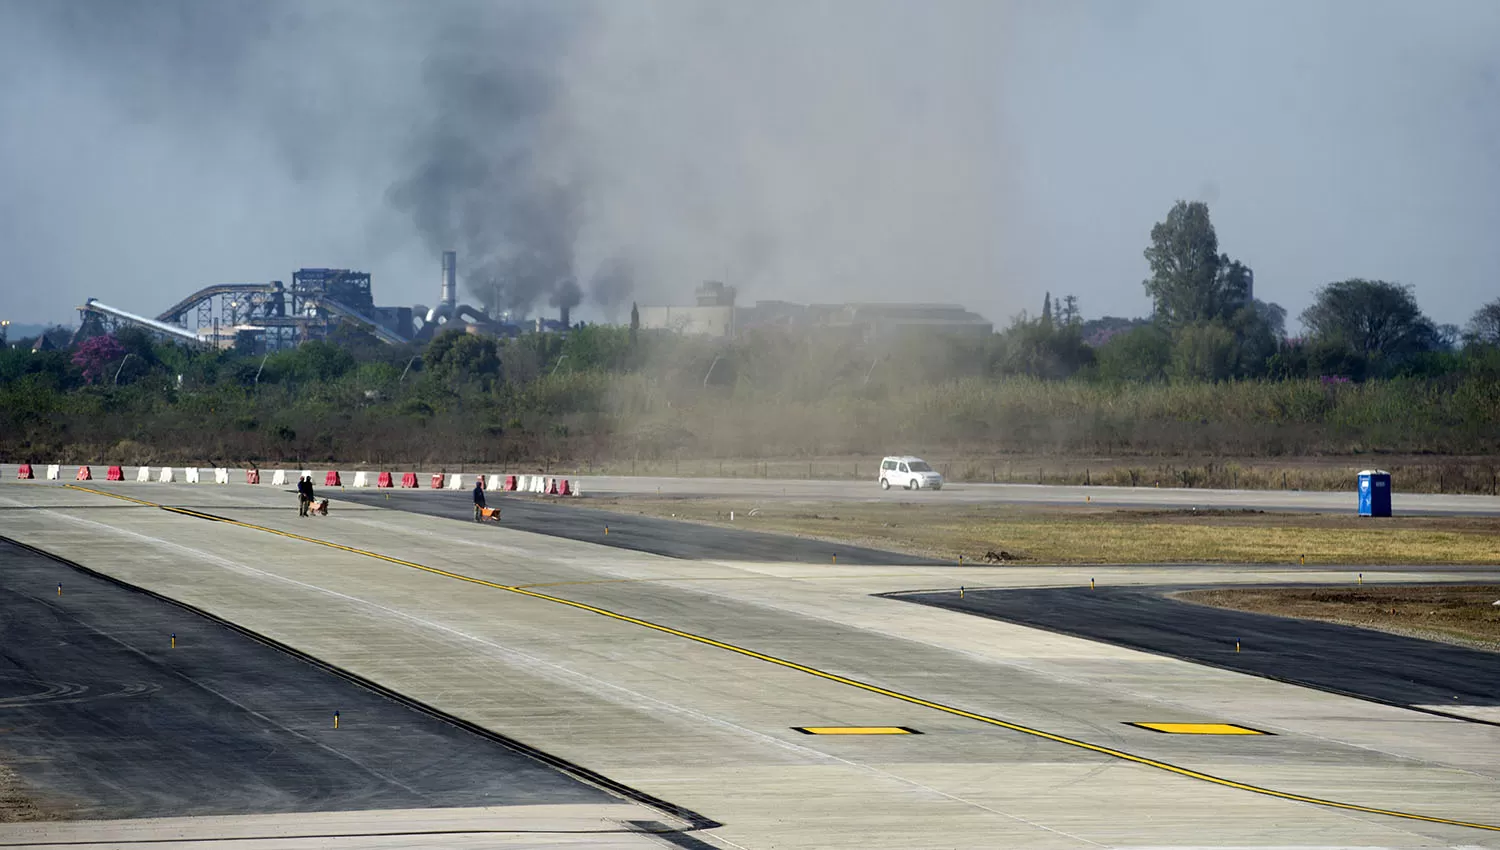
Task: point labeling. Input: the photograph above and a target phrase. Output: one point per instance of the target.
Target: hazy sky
(979, 152)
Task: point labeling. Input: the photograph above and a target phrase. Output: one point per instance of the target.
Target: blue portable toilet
(1374, 493)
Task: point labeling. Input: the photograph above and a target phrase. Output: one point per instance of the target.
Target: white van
(913, 473)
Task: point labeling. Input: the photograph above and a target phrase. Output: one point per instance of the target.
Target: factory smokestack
(565, 311)
(450, 280)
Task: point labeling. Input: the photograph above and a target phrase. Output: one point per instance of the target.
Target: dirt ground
(1465, 614)
(15, 805)
(1068, 535)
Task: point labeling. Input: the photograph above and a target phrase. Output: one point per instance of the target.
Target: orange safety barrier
(567, 488)
(510, 483)
(84, 474)
(252, 476)
(437, 481)
(25, 472)
(332, 479)
(115, 473)
(384, 480)
(409, 479)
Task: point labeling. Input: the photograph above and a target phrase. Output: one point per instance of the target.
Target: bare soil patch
(1068, 535)
(1457, 614)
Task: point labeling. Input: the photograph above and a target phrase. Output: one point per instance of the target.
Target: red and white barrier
(409, 480)
(332, 479)
(384, 480)
(510, 483)
(84, 474)
(24, 473)
(567, 488)
(437, 480)
(252, 476)
(114, 473)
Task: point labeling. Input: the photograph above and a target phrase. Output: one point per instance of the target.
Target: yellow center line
(834, 677)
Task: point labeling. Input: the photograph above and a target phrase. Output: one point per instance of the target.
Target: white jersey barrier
(456, 482)
(54, 471)
(221, 476)
(190, 474)
(278, 478)
(361, 479)
(166, 475)
(494, 483)
(143, 474)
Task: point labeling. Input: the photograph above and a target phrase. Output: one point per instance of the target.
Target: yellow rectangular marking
(856, 730)
(1199, 728)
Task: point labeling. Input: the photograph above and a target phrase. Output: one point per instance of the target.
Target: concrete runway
(686, 679)
(816, 490)
(1389, 668)
(108, 719)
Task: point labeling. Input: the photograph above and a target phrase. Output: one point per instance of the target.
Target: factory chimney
(450, 280)
(565, 311)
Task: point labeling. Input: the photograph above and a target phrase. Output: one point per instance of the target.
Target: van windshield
(919, 466)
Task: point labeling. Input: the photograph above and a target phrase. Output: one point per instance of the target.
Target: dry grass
(1107, 536)
(1467, 614)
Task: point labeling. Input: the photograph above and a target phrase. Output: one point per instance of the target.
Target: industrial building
(715, 314)
(271, 316)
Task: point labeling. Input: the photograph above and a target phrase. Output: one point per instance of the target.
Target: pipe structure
(93, 305)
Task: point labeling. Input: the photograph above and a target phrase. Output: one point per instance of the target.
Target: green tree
(1372, 317)
(1484, 325)
(1139, 354)
(1190, 280)
(1047, 310)
(1204, 351)
(458, 356)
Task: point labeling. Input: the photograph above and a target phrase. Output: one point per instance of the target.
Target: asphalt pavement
(672, 538)
(102, 718)
(1344, 659)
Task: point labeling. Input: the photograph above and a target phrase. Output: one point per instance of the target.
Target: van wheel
(884, 484)
(910, 485)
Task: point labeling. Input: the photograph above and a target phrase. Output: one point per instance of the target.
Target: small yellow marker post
(835, 558)
(606, 531)
(335, 720)
(174, 640)
(1236, 646)
(1304, 559)
(1091, 583)
(1088, 498)
(960, 591)
(59, 588)
(1360, 581)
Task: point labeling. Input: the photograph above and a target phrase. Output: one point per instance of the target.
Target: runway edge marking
(832, 677)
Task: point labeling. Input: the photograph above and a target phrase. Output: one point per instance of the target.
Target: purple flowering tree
(96, 354)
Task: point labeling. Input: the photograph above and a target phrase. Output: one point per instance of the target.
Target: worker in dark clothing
(479, 505)
(304, 495)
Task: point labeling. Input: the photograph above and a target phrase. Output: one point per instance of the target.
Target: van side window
(903, 468)
(890, 464)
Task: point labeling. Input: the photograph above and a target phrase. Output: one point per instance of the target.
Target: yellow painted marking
(1199, 728)
(843, 680)
(855, 730)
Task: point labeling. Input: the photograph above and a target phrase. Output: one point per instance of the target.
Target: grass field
(1050, 535)
(1466, 613)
